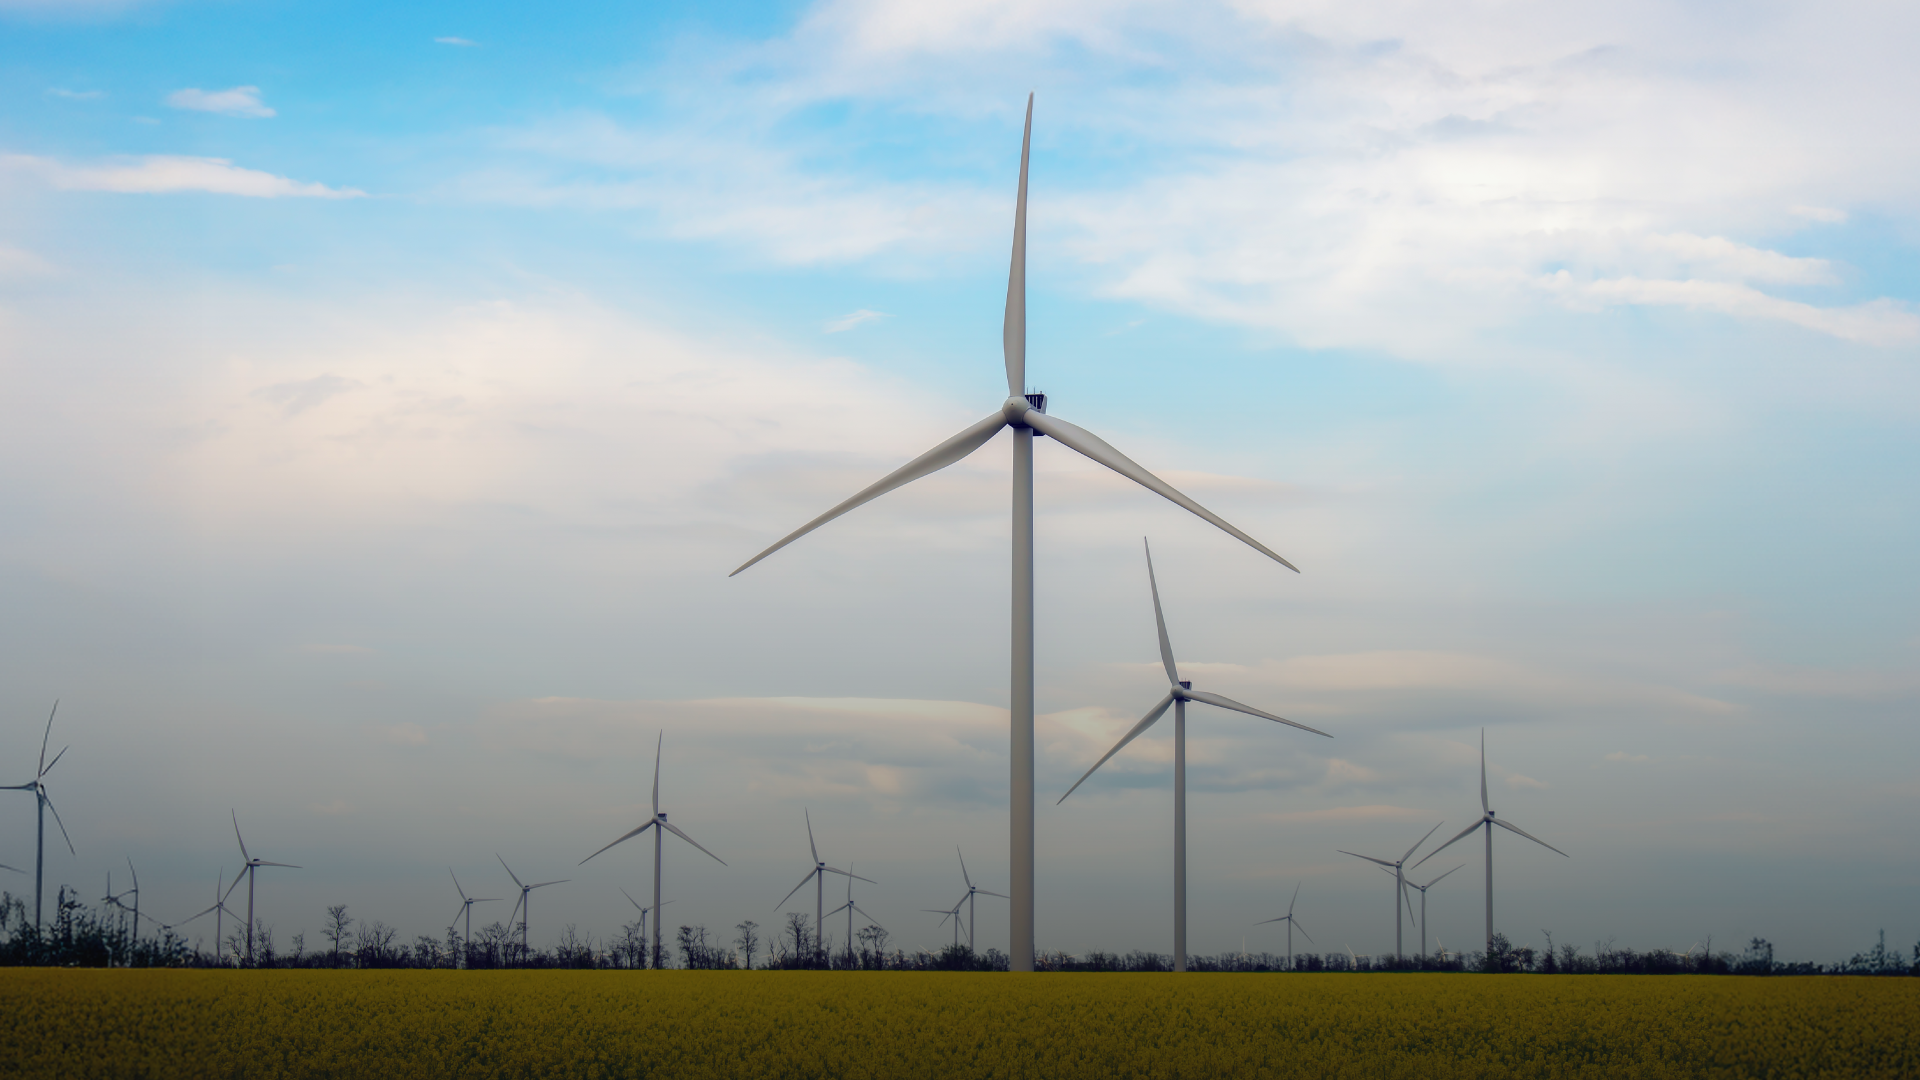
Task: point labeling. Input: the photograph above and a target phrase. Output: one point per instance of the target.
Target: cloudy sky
(388, 394)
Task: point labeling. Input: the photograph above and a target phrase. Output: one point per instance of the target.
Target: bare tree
(335, 930)
(748, 940)
(802, 937)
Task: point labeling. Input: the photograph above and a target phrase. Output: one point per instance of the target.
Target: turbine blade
(55, 761)
(235, 885)
(623, 839)
(811, 846)
(658, 745)
(1303, 931)
(986, 892)
(675, 830)
(48, 734)
(849, 875)
(1511, 827)
(1264, 922)
(1013, 332)
(136, 875)
(1436, 881)
(839, 909)
(796, 888)
(1229, 703)
(237, 836)
(1091, 445)
(457, 912)
(1484, 808)
(1423, 840)
(1159, 620)
(1369, 858)
(516, 908)
(932, 461)
(288, 865)
(456, 883)
(1457, 838)
(544, 884)
(209, 911)
(15, 869)
(1146, 722)
(57, 821)
(509, 870)
(1296, 897)
(963, 867)
(630, 899)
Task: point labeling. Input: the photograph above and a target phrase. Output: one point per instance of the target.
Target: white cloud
(239, 101)
(853, 319)
(1877, 322)
(76, 95)
(165, 174)
(459, 41)
(20, 263)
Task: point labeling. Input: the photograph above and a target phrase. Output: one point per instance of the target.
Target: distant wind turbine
(246, 871)
(523, 904)
(1399, 884)
(1423, 905)
(466, 908)
(659, 824)
(1026, 413)
(1179, 692)
(973, 891)
(954, 914)
(218, 910)
(643, 915)
(1488, 821)
(1291, 924)
(818, 875)
(38, 785)
(850, 908)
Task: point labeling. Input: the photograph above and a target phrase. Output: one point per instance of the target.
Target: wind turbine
(1179, 692)
(1026, 413)
(523, 904)
(1488, 821)
(954, 914)
(1423, 906)
(114, 900)
(117, 900)
(38, 785)
(818, 875)
(659, 824)
(643, 915)
(972, 891)
(1291, 924)
(218, 909)
(1399, 883)
(466, 907)
(246, 871)
(850, 907)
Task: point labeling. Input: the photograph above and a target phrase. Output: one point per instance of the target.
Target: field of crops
(72, 1023)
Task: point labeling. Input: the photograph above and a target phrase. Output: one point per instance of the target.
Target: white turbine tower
(818, 875)
(1026, 414)
(1423, 905)
(1292, 923)
(1488, 821)
(850, 908)
(972, 892)
(246, 871)
(1178, 694)
(659, 824)
(523, 907)
(218, 910)
(38, 785)
(1399, 882)
(466, 909)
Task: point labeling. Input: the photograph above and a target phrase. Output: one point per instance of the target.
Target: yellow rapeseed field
(408, 1024)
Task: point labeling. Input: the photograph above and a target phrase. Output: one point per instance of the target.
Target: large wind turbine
(466, 908)
(1026, 414)
(658, 823)
(818, 875)
(1399, 883)
(246, 871)
(38, 785)
(1179, 692)
(1423, 905)
(1488, 821)
(1291, 924)
(218, 910)
(972, 892)
(524, 903)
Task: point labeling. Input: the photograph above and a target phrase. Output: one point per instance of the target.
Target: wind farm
(408, 412)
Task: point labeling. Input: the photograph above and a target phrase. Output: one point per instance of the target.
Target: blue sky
(389, 395)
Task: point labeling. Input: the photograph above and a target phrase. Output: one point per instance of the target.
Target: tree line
(80, 936)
